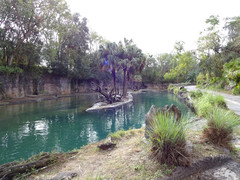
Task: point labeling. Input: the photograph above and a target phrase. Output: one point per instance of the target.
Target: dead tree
(109, 95)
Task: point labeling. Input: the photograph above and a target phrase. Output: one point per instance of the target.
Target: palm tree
(132, 60)
(109, 54)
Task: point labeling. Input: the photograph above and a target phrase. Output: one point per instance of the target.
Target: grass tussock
(208, 102)
(168, 141)
(122, 133)
(221, 124)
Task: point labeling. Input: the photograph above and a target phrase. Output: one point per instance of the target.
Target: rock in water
(153, 111)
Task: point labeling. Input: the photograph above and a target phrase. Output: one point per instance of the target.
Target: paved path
(233, 102)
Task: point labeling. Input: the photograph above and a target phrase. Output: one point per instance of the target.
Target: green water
(62, 125)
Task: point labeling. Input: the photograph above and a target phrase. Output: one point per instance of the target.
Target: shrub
(10, 70)
(206, 103)
(201, 79)
(168, 141)
(236, 90)
(220, 126)
(170, 87)
(176, 90)
(196, 94)
(203, 107)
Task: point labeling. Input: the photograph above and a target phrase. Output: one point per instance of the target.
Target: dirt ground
(128, 160)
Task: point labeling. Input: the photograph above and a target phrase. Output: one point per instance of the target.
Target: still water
(62, 125)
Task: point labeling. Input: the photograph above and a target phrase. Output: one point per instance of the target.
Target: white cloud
(154, 25)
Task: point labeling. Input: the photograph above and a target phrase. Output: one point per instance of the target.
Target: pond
(63, 125)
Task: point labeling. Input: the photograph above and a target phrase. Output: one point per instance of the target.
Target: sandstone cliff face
(18, 86)
(157, 86)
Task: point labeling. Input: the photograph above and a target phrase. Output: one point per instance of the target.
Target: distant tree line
(44, 36)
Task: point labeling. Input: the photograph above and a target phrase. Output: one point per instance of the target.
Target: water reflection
(63, 125)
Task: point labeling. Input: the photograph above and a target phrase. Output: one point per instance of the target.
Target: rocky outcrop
(153, 111)
(156, 86)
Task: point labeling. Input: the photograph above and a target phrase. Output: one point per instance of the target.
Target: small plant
(176, 90)
(117, 135)
(206, 103)
(170, 87)
(220, 126)
(196, 94)
(217, 100)
(168, 141)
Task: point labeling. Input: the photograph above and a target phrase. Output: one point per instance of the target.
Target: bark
(114, 80)
(125, 83)
(110, 98)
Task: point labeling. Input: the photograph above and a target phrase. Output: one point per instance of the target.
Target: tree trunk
(4, 56)
(114, 80)
(125, 83)
(10, 60)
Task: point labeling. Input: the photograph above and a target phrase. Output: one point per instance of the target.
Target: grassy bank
(130, 159)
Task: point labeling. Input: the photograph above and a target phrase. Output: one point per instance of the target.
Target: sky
(154, 25)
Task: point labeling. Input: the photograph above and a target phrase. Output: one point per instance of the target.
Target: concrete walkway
(233, 102)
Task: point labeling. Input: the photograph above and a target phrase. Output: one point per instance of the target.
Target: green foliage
(207, 102)
(168, 139)
(220, 126)
(156, 67)
(170, 87)
(184, 63)
(236, 90)
(192, 76)
(232, 74)
(10, 70)
(196, 94)
(117, 135)
(167, 129)
(201, 78)
(223, 119)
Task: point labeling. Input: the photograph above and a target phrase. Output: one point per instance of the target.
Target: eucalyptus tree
(232, 49)
(210, 47)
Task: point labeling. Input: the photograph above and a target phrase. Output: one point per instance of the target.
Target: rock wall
(22, 85)
(16, 86)
(157, 86)
(19, 86)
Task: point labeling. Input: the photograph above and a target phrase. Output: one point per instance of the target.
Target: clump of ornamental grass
(168, 141)
(220, 126)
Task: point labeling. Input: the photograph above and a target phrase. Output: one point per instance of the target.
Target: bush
(176, 90)
(203, 107)
(236, 90)
(168, 141)
(196, 94)
(10, 70)
(206, 103)
(170, 87)
(220, 126)
(201, 79)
